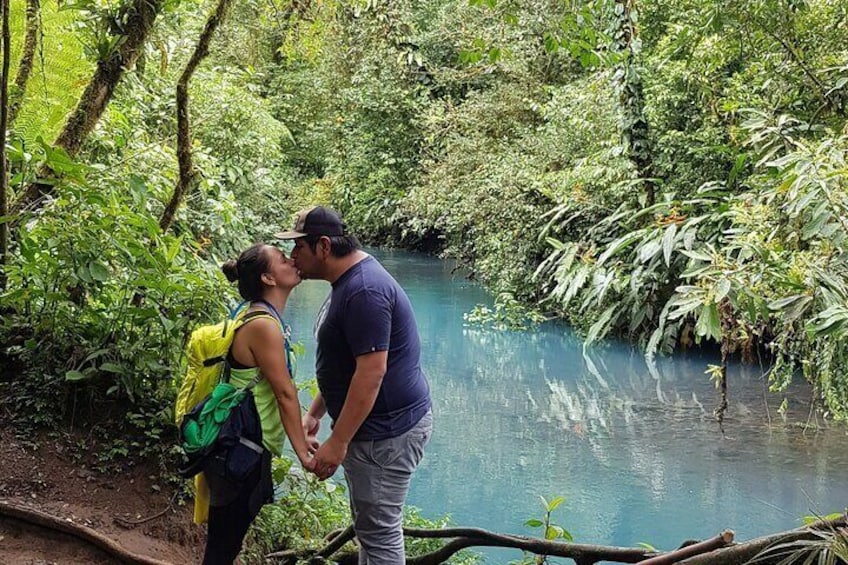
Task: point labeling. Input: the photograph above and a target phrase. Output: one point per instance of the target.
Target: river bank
(129, 505)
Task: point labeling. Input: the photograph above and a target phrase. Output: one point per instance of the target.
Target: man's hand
(308, 463)
(328, 458)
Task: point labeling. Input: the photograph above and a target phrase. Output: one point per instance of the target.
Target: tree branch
(714, 551)
(724, 539)
(744, 552)
(583, 554)
(187, 171)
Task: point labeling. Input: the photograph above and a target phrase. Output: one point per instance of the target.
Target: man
(370, 381)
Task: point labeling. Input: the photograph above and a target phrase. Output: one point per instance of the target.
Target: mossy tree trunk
(98, 93)
(187, 172)
(33, 31)
(4, 122)
(634, 124)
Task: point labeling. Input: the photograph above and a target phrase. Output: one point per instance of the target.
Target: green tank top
(273, 433)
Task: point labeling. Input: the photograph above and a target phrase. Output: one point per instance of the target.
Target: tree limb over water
(718, 550)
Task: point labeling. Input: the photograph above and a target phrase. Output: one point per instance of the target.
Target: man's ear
(324, 244)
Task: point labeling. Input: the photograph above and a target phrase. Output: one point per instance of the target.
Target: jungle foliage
(669, 172)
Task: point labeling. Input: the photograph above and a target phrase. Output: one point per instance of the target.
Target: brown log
(714, 551)
(744, 552)
(98, 93)
(336, 542)
(582, 554)
(187, 172)
(37, 518)
(724, 539)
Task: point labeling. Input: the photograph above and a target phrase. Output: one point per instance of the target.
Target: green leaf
(722, 289)
(533, 523)
(555, 503)
(598, 330)
(700, 256)
(75, 376)
(553, 532)
(784, 302)
(173, 250)
(618, 245)
(649, 250)
(111, 368)
(84, 274)
(709, 322)
(98, 270)
(668, 242)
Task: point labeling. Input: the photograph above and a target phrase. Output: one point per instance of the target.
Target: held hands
(328, 458)
(325, 459)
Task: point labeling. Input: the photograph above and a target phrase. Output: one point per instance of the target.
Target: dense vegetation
(670, 172)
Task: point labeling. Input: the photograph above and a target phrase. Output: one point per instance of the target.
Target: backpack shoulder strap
(240, 322)
(252, 316)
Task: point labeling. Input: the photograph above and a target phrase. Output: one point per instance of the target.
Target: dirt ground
(41, 474)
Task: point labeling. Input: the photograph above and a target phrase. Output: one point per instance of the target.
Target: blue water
(636, 453)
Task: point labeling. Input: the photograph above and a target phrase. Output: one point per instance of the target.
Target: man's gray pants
(378, 474)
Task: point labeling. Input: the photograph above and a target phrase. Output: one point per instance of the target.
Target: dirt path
(43, 475)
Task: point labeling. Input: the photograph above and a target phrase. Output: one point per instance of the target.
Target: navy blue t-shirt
(368, 311)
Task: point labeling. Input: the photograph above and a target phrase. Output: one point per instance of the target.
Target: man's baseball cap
(318, 220)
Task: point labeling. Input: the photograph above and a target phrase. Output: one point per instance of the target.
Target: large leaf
(709, 322)
(619, 245)
(602, 325)
(668, 242)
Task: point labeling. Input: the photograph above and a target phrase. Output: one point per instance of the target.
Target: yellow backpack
(206, 354)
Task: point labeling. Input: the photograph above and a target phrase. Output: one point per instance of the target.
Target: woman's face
(282, 268)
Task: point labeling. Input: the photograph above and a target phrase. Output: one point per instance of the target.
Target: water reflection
(635, 450)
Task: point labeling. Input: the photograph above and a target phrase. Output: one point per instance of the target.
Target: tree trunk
(93, 102)
(187, 172)
(4, 122)
(634, 124)
(33, 28)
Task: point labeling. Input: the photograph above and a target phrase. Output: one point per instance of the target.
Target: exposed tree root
(38, 518)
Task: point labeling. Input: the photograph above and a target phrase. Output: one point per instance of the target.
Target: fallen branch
(336, 542)
(718, 550)
(37, 518)
(744, 552)
(724, 539)
(582, 554)
(130, 524)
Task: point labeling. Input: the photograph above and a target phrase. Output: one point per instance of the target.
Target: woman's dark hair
(340, 245)
(248, 270)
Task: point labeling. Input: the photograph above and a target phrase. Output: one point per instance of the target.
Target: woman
(265, 278)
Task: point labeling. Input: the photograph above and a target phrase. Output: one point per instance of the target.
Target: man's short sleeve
(368, 322)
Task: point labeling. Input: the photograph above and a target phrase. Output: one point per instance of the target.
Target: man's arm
(364, 387)
(311, 421)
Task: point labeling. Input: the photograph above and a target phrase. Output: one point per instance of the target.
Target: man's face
(306, 259)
